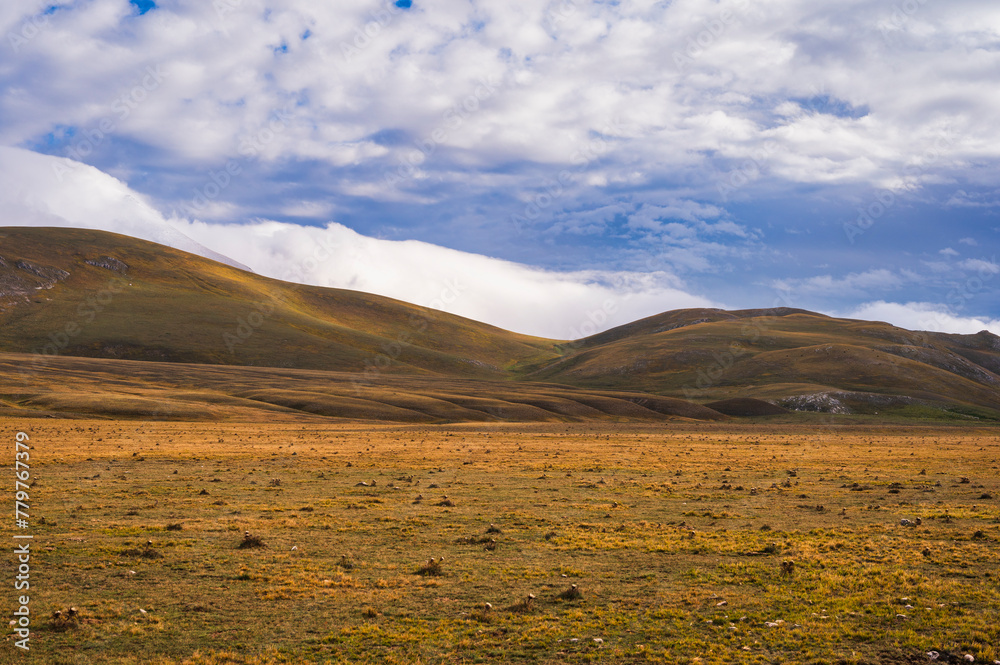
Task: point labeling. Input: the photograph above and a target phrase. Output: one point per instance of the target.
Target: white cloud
(963, 199)
(938, 267)
(566, 73)
(948, 251)
(852, 284)
(654, 112)
(984, 268)
(48, 191)
(509, 295)
(40, 190)
(931, 317)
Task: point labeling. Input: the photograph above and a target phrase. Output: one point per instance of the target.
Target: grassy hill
(130, 299)
(784, 355)
(67, 293)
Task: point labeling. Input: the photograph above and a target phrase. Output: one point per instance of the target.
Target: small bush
(63, 620)
(431, 568)
(524, 606)
(483, 614)
(251, 541)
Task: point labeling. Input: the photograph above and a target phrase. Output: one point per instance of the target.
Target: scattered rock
(109, 263)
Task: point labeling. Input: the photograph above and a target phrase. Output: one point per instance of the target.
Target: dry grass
(433, 567)
(675, 537)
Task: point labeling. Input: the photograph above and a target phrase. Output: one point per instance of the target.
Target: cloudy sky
(549, 167)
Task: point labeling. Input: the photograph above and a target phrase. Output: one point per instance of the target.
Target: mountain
(800, 359)
(103, 295)
(209, 333)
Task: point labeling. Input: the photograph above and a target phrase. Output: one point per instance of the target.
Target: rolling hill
(801, 359)
(79, 308)
(130, 299)
(136, 389)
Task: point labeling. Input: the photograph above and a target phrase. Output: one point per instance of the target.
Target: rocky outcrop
(21, 278)
(109, 263)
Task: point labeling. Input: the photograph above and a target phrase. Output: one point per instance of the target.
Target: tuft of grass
(64, 620)
(431, 568)
(572, 593)
(523, 606)
(483, 614)
(251, 541)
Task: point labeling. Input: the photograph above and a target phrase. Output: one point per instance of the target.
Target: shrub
(251, 541)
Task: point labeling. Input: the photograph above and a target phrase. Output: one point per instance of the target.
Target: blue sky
(839, 155)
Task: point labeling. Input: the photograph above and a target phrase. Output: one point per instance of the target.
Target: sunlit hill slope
(218, 342)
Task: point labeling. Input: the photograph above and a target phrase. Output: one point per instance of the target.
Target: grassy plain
(736, 542)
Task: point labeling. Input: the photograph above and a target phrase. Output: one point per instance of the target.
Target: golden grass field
(734, 542)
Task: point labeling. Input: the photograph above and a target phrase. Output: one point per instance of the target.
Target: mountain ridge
(92, 294)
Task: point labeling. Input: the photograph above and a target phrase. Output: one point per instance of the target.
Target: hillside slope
(79, 293)
(779, 354)
(95, 294)
(95, 387)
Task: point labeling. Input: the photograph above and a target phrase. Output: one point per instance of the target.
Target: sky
(554, 168)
